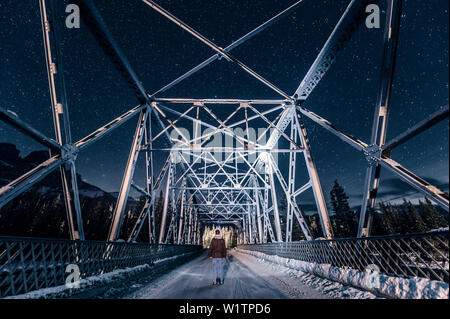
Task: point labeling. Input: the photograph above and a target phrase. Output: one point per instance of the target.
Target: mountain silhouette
(40, 211)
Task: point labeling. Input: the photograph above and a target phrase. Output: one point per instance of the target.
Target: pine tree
(297, 233)
(414, 223)
(432, 218)
(314, 226)
(343, 218)
(389, 218)
(377, 223)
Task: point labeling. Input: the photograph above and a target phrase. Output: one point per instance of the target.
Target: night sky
(159, 51)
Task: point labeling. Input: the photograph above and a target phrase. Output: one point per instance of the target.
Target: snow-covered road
(245, 277)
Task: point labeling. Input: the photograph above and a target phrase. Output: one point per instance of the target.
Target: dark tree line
(387, 219)
(37, 214)
(407, 218)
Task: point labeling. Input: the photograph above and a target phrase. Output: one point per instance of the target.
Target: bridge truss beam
(235, 188)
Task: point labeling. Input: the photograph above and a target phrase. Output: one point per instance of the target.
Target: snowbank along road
(245, 277)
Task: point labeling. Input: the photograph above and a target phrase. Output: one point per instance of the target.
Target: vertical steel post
(291, 182)
(189, 235)
(244, 231)
(267, 222)
(194, 228)
(185, 224)
(122, 198)
(378, 136)
(258, 212)
(181, 219)
(148, 209)
(194, 225)
(62, 126)
(175, 215)
(198, 231)
(321, 205)
(266, 208)
(276, 214)
(254, 227)
(150, 179)
(162, 230)
(250, 226)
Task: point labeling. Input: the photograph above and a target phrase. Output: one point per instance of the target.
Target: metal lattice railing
(412, 255)
(27, 264)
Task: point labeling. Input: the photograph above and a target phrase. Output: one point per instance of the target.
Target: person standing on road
(218, 253)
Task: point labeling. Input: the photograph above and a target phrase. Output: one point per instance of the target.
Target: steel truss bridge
(239, 187)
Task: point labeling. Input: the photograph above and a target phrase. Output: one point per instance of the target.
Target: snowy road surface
(245, 277)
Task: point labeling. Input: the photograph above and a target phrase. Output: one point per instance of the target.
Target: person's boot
(217, 281)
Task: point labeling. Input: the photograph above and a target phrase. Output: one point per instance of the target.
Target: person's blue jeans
(218, 264)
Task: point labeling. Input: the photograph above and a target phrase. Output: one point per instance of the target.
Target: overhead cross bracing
(228, 163)
(205, 182)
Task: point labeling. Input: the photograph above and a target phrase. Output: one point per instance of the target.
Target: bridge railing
(412, 255)
(28, 264)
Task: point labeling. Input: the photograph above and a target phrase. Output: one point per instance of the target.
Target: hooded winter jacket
(217, 248)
